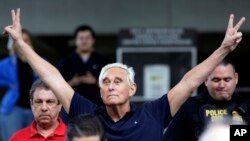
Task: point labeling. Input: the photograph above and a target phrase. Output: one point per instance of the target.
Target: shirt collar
(133, 107)
(102, 109)
(60, 130)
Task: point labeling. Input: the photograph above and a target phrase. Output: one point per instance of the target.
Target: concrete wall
(108, 16)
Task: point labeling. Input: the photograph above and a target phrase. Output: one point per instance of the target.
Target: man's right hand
(15, 30)
(232, 36)
(47, 72)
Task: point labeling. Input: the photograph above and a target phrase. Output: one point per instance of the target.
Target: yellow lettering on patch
(207, 112)
(216, 112)
(215, 118)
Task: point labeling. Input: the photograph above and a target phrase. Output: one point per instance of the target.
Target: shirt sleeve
(81, 105)
(14, 138)
(183, 126)
(19, 136)
(160, 110)
(176, 129)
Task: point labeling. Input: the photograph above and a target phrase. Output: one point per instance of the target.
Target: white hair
(130, 72)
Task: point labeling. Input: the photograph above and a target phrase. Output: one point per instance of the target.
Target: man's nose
(111, 86)
(44, 106)
(222, 83)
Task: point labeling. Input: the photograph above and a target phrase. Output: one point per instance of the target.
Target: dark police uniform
(198, 111)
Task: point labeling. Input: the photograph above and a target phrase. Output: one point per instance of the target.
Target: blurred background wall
(52, 23)
(108, 16)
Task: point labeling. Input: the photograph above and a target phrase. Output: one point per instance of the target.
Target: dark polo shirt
(145, 123)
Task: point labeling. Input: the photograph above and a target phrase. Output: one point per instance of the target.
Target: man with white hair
(122, 120)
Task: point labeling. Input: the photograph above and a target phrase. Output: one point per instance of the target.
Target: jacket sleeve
(7, 70)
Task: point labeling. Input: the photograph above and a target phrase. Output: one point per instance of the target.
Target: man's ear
(132, 89)
(205, 82)
(236, 77)
(31, 102)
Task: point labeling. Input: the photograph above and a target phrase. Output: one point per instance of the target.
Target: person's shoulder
(191, 104)
(70, 56)
(68, 59)
(100, 59)
(9, 61)
(247, 102)
(99, 56)
(8, 58)
(192, 100)
(244, 107)
(21, 134)
(242, 99)
(160, 104)
(77, 97)
(246, 98)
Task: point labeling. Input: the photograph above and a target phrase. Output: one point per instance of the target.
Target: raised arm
(47, 72)
(196, 76)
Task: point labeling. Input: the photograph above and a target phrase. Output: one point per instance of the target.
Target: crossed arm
(176, 96)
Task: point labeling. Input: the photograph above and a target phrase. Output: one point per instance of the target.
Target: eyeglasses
(39, 102)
